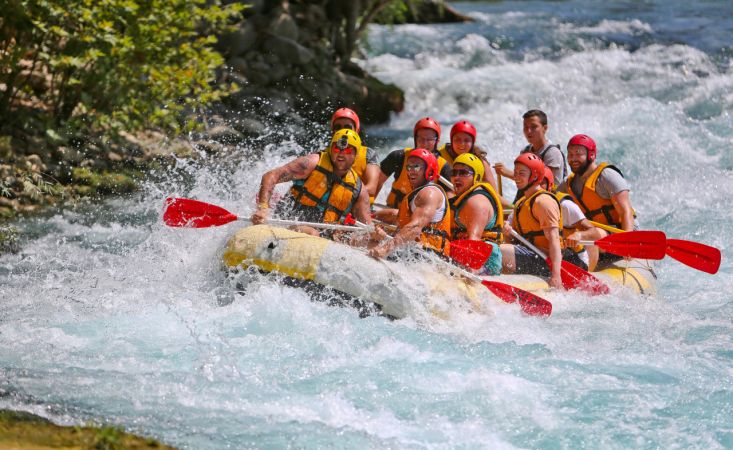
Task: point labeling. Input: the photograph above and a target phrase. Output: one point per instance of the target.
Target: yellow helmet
(472, 161)
(344, 138)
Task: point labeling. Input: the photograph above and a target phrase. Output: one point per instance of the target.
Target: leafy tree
(110, 64)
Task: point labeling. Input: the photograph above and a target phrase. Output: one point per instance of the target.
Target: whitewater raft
(390, 284)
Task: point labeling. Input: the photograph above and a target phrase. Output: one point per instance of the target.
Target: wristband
(263, 205)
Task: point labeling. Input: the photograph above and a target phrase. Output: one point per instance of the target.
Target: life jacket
(447, 153)
(401, 185)
(527, 224)
(595, 207)
(435, 236)
(491, 233)
(541, 155)
(567, 231)
(334, 197)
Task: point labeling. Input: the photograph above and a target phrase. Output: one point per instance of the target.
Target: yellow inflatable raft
(389, 284)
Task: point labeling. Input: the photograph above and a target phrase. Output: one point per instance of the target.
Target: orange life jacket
(528, 225)
(333, 196)
(401, 185)
(434, 236)
(595, 207)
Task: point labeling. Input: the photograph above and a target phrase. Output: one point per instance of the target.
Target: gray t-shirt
(609, 183)
(371, 156)
(553, 158)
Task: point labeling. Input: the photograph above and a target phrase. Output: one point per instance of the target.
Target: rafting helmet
(535, 165)
(585, 141)
(431, 163)
(550, 177)
(472, 161)
(427, 123)
(464, 126)
(346, 113)
(344, 138)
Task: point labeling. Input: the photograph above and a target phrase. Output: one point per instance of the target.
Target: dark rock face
(295, 49)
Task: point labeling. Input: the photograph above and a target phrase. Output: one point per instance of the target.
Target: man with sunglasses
(325, 186)
(426, 135)
(476, 210)
(424, 213)
(366, 164)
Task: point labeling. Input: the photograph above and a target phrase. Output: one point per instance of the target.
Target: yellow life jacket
(528, 225)
(447, 153)
(567, 231)
(435, 236)
(492, 232)
(333, 196)
(594, 206)
(401, 185)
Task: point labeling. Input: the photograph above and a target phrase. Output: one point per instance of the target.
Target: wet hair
(536, 113)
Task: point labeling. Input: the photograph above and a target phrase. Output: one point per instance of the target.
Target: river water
(108, 315)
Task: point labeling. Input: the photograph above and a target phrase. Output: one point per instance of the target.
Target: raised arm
(297, 169)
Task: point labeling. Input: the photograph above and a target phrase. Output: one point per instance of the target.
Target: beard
(581, 170)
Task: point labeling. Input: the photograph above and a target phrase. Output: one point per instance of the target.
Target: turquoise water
(108, 314)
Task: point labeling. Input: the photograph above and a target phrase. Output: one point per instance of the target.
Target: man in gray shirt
(600, 190)
(534, 128)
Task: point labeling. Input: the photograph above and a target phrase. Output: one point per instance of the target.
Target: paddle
(531, 304)
(634, 244)
(573, 277)
(692, 254)
(186, 212)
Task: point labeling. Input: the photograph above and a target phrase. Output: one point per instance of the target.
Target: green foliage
(109, 438)
(111, 64)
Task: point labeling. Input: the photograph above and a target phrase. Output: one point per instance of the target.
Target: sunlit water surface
(107, 314)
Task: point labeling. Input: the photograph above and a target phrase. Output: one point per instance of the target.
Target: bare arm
(489, 175)
(362, 212)
(555, 256)
(622, 204)
(427, 203)
(297, 169)
(475, 215)
(371, 179)
(381, 178)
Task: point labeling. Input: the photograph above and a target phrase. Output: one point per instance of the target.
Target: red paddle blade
(694, 254)
(470, 253)
(186, 212)
(642, 244)
(573, 277)
(530, 303)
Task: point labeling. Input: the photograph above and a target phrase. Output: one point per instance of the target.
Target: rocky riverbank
(292, 63)
(21, 430)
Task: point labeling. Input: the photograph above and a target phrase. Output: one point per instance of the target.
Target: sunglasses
(462, 173)
(413, 167)
(345, 151)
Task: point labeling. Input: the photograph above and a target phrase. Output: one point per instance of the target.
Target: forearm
(627, 219)
(555, 253)
(267, 186)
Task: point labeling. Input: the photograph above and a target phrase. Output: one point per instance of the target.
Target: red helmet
(585, 141)
(550, 177)
(431, 163)
(348, 114)
(463, 126)
(535, 165)
(428, 123)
